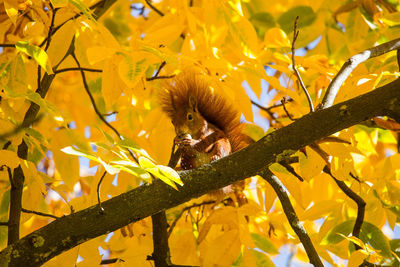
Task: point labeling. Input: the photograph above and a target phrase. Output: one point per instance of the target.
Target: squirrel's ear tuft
(192, 103)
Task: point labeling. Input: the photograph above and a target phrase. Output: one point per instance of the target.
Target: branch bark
(351, 64)
(72, 230)
(294, 222)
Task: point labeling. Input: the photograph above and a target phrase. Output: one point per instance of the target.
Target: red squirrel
(207, 126)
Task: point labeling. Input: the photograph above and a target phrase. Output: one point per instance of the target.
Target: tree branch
(77, 69)
(351, 64)
(72, 230)
(356, 198)
(40, 213)
(294, 222)
(22, 152)
(148, 2)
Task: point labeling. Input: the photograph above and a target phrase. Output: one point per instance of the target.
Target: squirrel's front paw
(185, 141)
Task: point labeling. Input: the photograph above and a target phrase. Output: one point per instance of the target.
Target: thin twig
(271, 107)
(3, 223)
(294, 222)
(7, 45)
(40, 213)
(96, 110)
(296, 72)
(351, 64)
(76, 69)
(283, 101)
(171, 228)
(148, 2)
(55, 29)
(110, 261)
(49, 34)
(98, 192)
(356, 198)
(160, 77)
(85, 84)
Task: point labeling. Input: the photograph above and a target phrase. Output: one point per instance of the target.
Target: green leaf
(262, 260)
(168, 58)
(263, 20)
(254, 132)
(334, 237)
(374, 236)
(170, 174)
(369, 234)
(38, 54)
(306, 18)
(264, 244)
(83, 8)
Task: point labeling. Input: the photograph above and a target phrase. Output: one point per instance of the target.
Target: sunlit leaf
(36, 53)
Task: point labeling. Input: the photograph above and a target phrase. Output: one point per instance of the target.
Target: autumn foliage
(80, 83)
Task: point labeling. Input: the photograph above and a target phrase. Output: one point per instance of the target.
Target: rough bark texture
(69, 231)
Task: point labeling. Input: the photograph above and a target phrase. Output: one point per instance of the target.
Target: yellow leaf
(184, 248)
(131, 68)
(89, 251)
(276, 38)
(60, 42)
(227, 215)
(356, 258)
(11, 7)
(96, 54)
(165, 30)
(319, 210)
(112, 85)
(9, 158)
(67, 258)
(310, 165)
(223, 250)
(248, 258)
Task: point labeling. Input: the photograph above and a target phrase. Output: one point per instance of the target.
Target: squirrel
(207, 126)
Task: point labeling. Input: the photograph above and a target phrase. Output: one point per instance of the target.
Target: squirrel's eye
(189, 117)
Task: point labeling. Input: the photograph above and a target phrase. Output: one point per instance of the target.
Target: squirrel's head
(188, 120)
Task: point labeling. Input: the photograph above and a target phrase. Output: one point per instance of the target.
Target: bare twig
(160, 77)
(266, 109)
(49, 34)
(3, 223)
(356, 198)
(283, 101)
(298, 228)
(98, 192)
(96, 110)
(296, 72)
(40, 213)
(86, 86)
(351, 64)
(7, 45)
(95, 6)
(148, 2)
(173, 224)
(110, 261)
(77, 69)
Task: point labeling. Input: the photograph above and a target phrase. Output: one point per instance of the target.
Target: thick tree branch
(72, 230)
(294, 222)
(18, 175)
(351, 64)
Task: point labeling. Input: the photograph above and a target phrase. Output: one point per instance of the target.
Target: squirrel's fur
(214, 107)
